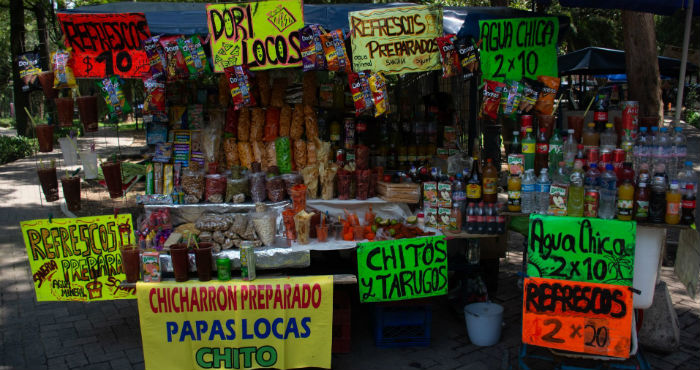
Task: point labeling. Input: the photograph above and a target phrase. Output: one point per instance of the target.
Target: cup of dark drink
(203, 260)
(132, 263)
(179, 257)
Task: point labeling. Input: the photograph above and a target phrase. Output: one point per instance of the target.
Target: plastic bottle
(542, 192)
(556, 151)
(625, 200)
(626, 173)
(600, 115)
(661, 149)
(541, 151)
(459, 191)
(687, 176)
(608, 138)
(641, 148)
(657, 200)
(608, 193)
(490, 182)
(591, 137)
(627, 145)
(581, 157)
(516, 146)
(688, 205)
(500, 223)
(474, 183)
(574, 206)
(514, 193)
(559, 192)
(470, 225)
(528, 149)
(491, 219)
(592, 178)
(480, 218)
(673, 205)
(570, 148)
(641, 203)
(679, 151)
(527, 194)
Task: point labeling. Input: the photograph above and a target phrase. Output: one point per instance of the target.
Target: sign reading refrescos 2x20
(260, 35)
(78, 259)
(393, 270)
(103, 45)
(281, 323)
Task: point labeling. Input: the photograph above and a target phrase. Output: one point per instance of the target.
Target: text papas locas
(243, 329)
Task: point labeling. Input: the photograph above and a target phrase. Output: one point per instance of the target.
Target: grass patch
(6, 122)
(13, 148)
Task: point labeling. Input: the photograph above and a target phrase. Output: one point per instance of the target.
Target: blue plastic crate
(402, 326)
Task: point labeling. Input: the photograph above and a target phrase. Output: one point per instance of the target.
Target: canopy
(600, 61)
(662, 7)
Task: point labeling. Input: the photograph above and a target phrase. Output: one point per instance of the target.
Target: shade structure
(603, 61)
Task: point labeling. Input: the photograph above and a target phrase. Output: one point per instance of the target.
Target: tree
(641, 60)
(16, 48)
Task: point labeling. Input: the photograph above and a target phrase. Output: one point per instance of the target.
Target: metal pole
(684, 61)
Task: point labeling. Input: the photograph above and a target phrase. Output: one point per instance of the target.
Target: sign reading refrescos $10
(519, 47)
(393, 270)
(260, 35)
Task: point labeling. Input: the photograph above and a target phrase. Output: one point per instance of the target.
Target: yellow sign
(396, 40)
(78, 259)
(261, 35)
(282, 323)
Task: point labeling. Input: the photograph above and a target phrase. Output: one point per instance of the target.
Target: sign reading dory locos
(77, 259)
(582, 249)
(575, 316)
(279, 323)
(260, 35)
(394, 270)
(519, 47)
(396, 40)
(103, 45)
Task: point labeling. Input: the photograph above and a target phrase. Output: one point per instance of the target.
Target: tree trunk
(644, 83)
(16, 48)
(39, 11)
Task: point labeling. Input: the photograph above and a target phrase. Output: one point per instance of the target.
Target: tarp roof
(600, 61)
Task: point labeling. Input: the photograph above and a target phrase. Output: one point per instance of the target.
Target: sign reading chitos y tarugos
(260, 35)
(103, 45)
(393, 270)
(281, 323)
(397, 39)
(78, 259)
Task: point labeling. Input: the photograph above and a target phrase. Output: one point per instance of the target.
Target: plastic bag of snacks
(468, 55)
(333, 45)
(272, 124)
(285, 120)
(231, 152)
(310, 174)
(258, 152)
(214, 188)
(243, 129)
(492, 99)
(270, 155)
(361, 93)
(154, 104)
(284, 154)
(239, 84)
(377, 83)
(300, 153)
(63, 77)
(156, 55)
(257, 124)
(311, 152)
(258, 188)
(528, 98)
(29, 70)
(192, 183)
(448, 55)
(262, 82)
(195, 59)
(510, 98)
(275, 189)
(545, 101)
(113, 94)
(297, 128)
(312, 55)
(328, 181)
(265, 224)
(224, 91)
(231, 125)
(235, 186)
(175, 65)
(310, 122)
(245, 153)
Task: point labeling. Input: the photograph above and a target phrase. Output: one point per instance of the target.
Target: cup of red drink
(132, 263)
(180, 259)
(203, 260)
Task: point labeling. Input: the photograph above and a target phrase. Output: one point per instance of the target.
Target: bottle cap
(654, 128)
(688, 163)
(674, 185)
(643, 129)
(516, 133)
(608, 125)
(579, 146)
(609, 167)
(678, 128)
(664, 129)
(689, 186)
(593, 165)
(642, 184)
(528, 129)
(570, 131)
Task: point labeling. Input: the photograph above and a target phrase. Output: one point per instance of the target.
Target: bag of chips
(310, 122)
(377, 83)
(63, 77)
(492, 99)
(154, 103)
(156, 55)
(113, 94)
(334, 49)
(545, 101)
(175, 65)
(300, 153)
(231, 125)
(510, 97)
(231, 152)
(258, 152)
(448, 55)
(297, 127)
(284, 154)
(29, 70)
(245, 154)
(195, 59)
(285, 120)
(244, 124)
(528, 98)
(257, 124)
(272, 124)
(312, 55)
(468, 54)
(239, 84)
(361, 93)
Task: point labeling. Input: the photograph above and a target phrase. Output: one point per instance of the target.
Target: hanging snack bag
(113, 94)
(528, 98)
(468, 54)
(63, 77)
(377, 83)
(156, 55)
(510, 98)
(334, 49)
(29, 70)
(231, 125)
(448, 55)
(310, 122)
(175, 65)
(492, 99)
(154, 103)
(272, 124)
(239, 84)
(244, 124)
(257, 124)
(361, 93)
(311, 49)
(283, 148)
(545, 102)
(195, 59)
(285, 121)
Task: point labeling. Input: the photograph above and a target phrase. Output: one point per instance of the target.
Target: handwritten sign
(261, 35)
(394, 270)
(77, 259)
(519, 47)
(280, 323)
(581, 249)
(396, 40)
(103, 45)
(580, 317)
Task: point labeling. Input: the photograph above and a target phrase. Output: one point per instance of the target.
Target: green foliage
(13, 148)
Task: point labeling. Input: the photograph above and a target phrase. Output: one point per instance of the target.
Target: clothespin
(635, 291)
(50, 217)
(76, 171)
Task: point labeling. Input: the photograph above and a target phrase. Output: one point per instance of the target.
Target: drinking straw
(589, 107)
(556, 105)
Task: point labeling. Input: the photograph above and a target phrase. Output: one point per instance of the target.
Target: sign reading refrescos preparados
(581, 249)
(78, 259)
(261, 35)
(103, 45)
(394, 270)
(280, 323)
(519, 47)
(396, 40)
(575, 316)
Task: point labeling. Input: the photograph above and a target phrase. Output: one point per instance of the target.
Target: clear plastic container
(275, 189)
(302, 224)
(258, 189)
(214, 188)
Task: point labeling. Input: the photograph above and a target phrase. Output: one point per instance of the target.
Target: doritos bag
(29, 71)
(545, 102)
(334, 49)
(361, 92)
(377, 83)
(239, 83)
(113, 93)
(194, 55)
(468, 54)
(311, 49)
(175, 67)
(63, 77)
(156, 55)
(154, 104)
(492, 99)
(448, 56)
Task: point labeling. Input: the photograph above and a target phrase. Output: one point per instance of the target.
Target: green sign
(519, 47)
(581, 249)
(394, 270)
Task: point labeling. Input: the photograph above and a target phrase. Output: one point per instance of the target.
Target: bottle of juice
(528, 149)
(591, 137)
(673, 205)
(474, 183)
(514, 187)
(625, 200)
(641, 203)
(490, 182)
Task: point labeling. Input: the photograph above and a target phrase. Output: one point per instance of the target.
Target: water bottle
(679, 152)
(608, 138)
(592, 177)
(641, 149)
(608, 193)
(542, 192)
(662, 149)
(570, 149)
(527, 194)
(687, 176)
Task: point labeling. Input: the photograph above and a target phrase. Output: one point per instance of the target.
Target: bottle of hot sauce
(490, 182)
(474, 183)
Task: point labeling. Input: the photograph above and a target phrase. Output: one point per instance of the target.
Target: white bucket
(484, 321)
(647, 252)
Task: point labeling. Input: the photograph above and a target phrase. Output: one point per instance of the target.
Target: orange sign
(576, 316)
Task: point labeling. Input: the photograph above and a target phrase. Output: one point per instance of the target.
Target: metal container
(247, 261)
(630, 117)
(223, 268)
(590, 203)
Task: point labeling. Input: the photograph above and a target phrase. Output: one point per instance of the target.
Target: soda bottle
(490, 182)
(641, 203)
(570, 148)
(528, 149)
(600, 115)
(574, 206)
(491, 219)
(542, 151)
(514, 193)
(608, 138)
(556, 151)
(608, 193)
(688, 205)
(592, 178)
(625, 200)
(516, 144)
(673, 205)
(471, 219)
(581, 157)
(542, 192)
(687, 176)
(480, 219)
(627, 173)
(657, 200)
(500, 223)
(527, 194)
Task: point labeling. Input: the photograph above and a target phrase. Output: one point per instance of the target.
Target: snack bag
(239, 84)
(468, 54)
(510, 98)
(283, 150)
(272, 124)
(448, 55)
(528, 98)
(29, 70)
(175, 67)
(377, 83)
(334, 49)
(154, 103)
(156, 55)
(195, 59)
(361, 93)
(545, 102)
(113, 94)
(312, 55)
(62, 72)
(492, 99)
(231, 125)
